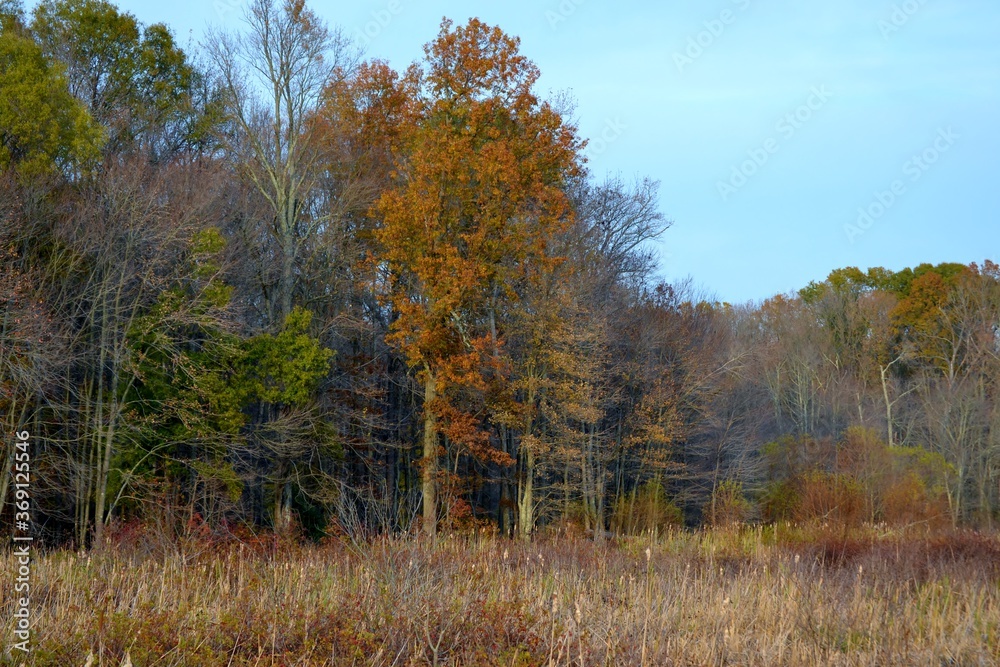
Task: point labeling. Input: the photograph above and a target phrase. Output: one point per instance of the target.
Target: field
(741, 597)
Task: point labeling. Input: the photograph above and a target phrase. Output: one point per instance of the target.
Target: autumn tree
(368, 398)
(479, 193)
(866, 352)
(559, 338)
(953, 323)
(33, 356)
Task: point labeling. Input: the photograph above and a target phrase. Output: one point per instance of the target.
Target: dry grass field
(739, 597)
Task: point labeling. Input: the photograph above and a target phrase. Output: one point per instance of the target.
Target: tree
(43, 129)
(954, 330)
(274, 77)
(133, 79)
(11, 14)
(97, 272)
(185, 409)
(32, 354)
(480, 191)
(573, 350)
(278, 375)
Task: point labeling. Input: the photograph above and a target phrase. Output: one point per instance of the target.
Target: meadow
(743, 596)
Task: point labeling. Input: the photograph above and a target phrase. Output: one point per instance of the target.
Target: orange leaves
(368, 111)
(478, 175)
(480, 168)
(475, 60)
(463, 428)
(921, 308)
(933, 317)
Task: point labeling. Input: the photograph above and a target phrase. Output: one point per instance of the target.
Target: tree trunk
(888, 405)
(283, 507)
(288, 252)
(526, 498)
(102, 482)
(99, 439)
(429, 471)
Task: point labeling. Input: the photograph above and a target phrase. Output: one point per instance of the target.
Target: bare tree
(274, 76)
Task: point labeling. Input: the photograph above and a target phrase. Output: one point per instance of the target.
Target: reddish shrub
(831, 498)
(907, 501)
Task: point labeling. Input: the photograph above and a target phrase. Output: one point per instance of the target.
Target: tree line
(277, 285)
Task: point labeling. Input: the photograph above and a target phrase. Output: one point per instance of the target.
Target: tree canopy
(270, 283)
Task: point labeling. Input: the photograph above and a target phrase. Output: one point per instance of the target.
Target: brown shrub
(907, 501)
(645, 510)
(831, 498)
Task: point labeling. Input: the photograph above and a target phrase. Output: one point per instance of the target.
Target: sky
(790, 138)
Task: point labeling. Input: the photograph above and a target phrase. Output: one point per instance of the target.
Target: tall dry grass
(736, 597)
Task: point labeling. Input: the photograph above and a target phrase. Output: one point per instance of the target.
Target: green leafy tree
(43, 128)
(277, 376)
(134, 79)
(185, 409)
(11, 15)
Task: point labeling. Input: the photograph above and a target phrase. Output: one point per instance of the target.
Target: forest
(306, 360)
(278, 286)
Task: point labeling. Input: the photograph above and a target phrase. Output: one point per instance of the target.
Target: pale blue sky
(881, 92)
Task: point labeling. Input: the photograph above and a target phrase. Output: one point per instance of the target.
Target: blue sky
(768, 123)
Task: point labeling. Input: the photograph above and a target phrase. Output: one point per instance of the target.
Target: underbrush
(756, 596)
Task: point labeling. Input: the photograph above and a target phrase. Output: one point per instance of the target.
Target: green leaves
(284, 369)
(11, 14)
(133, 78)
(42, 127)
(98, 46)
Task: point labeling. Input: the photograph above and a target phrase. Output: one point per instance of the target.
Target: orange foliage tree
(478, 192)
